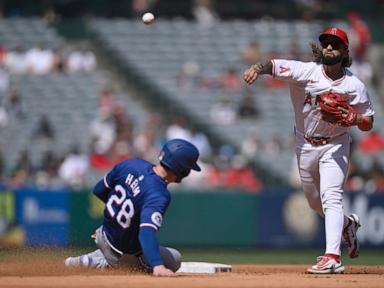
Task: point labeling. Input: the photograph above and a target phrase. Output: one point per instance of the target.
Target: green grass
(27, 252)
(274, 256)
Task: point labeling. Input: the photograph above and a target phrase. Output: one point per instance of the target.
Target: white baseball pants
(323, 171)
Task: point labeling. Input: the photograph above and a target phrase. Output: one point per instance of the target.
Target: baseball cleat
(72, 262)
(86, 261)
(327, 265)
(350, 236)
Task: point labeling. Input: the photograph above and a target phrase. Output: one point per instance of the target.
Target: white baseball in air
(148, 18)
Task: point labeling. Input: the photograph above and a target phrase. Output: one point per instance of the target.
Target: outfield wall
(270, 219)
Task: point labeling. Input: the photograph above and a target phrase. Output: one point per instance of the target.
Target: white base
(203, 267)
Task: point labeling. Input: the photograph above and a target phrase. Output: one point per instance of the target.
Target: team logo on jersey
(307, 103)
(283, 69)
(157, 218)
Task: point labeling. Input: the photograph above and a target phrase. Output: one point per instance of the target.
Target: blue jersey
(134, 197)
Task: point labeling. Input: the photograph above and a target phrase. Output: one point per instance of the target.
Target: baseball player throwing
(136, 197)
(327, 99)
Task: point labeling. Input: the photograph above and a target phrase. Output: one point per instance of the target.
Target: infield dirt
(48, 270)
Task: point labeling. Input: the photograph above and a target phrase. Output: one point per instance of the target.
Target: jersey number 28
(120, 206)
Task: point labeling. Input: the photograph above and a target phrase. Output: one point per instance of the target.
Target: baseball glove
(335, 109)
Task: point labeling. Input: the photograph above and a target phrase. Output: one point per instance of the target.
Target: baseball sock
(333, 229)
(333, 256)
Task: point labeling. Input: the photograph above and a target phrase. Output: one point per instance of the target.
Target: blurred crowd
(114, 137)
(38, 60)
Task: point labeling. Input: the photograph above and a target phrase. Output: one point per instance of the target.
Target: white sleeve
(362, 102)
(295, 71)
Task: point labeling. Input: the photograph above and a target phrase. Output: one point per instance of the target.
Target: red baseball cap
(336, 32)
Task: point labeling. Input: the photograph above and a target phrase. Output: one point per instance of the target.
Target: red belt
(317, 141)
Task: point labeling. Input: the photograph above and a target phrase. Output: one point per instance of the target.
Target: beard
(331, 60)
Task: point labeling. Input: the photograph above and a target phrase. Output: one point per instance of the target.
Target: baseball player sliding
(327, 99)
(136, 197)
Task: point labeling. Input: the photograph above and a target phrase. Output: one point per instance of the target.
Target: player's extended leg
(334, 171)
(93, 259)
(335, 164)
(333, 175)
(170, 256)
(103, 257)
(333, 167)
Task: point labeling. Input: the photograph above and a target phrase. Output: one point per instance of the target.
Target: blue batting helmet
(180, 157)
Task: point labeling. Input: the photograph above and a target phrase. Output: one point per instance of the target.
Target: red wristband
(364, 123)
